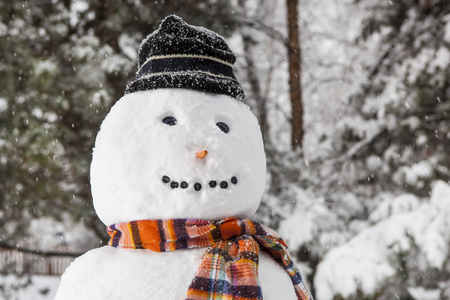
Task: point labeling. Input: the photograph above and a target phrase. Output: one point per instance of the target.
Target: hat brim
(189, 80)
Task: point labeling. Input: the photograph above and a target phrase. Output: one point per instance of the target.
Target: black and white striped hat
(179, 55)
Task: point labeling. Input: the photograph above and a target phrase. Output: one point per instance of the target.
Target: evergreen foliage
(63, 65)
(400, 140)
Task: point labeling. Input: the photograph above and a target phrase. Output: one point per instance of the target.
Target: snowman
(178, 166)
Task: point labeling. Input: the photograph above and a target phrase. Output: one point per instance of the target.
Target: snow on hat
(179, 55)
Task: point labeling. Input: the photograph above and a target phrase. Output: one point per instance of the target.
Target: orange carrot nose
(201, 154)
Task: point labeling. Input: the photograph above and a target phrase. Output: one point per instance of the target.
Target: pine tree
(63, 65)
(400, 139)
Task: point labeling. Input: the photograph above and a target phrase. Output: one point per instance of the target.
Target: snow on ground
(41, 287)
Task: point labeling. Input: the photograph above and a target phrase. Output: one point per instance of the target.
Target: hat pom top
(175, 36)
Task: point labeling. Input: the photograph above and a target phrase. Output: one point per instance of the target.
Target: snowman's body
(110, 273)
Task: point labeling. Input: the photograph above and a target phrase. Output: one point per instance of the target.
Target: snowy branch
(359, 147)
(331, 36)
(269, 31)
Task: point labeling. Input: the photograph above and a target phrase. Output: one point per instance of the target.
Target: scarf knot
(229, 267)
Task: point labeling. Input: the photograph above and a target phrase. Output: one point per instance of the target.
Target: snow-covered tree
(380, 135)
(63, 64)
(402, 102)
(388, 153)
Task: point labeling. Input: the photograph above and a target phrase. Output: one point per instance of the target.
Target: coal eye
(169, 121)
(224, 127)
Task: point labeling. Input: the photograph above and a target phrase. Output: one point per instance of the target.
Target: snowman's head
(177, 153)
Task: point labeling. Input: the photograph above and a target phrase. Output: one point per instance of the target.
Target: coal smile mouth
(224, 184)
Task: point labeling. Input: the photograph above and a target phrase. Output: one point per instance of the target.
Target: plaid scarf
(229, 268)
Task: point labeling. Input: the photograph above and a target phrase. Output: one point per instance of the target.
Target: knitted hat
(179, 55)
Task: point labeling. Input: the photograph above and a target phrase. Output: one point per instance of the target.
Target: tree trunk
(253, 80)
(261, 101)
(294, 53)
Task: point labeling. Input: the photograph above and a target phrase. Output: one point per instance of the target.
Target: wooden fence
(25, 261)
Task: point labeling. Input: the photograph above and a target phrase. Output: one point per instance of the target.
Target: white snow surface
(60, 235)
(447, 30)
(3, 104)
(368, 259)
(309, 217)
(41, 287)
(135, 149)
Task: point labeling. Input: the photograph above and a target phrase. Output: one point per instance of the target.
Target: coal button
(197, 186)
(212, 183)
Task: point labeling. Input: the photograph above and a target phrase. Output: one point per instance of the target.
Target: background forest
(363, 200)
